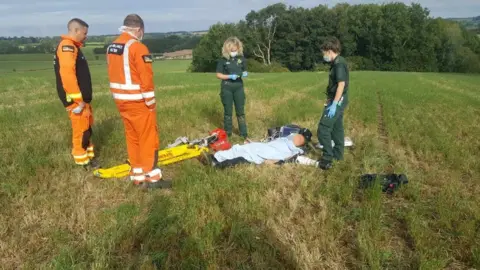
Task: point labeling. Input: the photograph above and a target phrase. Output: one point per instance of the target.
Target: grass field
(55, 215)
(33, 62)
(10, 63)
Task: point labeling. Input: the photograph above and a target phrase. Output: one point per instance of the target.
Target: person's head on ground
(232, 47)
(134, 25)
(77, 29)
(303, 137)
(331, 48)
(306, 133)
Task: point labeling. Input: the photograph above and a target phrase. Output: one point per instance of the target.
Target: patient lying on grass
(274, 152)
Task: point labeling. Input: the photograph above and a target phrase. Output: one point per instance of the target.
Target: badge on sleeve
(68, 48)
(147, 58)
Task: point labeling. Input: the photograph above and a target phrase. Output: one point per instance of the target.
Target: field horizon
(424, 125)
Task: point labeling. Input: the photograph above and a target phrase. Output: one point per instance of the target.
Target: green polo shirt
(338, 73)
(235, 65)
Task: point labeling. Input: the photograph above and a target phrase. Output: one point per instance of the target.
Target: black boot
(92, 165)
(95, 164)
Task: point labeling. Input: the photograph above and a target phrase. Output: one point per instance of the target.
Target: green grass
(25, 57)
(55, 215)
(21, 66)
(94, 44)
(10, 63)
(32, 62)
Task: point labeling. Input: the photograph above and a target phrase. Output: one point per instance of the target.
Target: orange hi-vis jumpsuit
(74, 85)
(131, 84)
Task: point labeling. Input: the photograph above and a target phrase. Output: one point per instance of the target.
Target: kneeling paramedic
(131, 84)
(274, 152)
(74, 87)
(330, 126)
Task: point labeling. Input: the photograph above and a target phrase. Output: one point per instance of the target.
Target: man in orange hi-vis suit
(74, 87)
(131, 84)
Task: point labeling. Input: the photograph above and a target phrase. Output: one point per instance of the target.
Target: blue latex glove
(332, 109)
(244, 74)
(233, 76)
(79, 108)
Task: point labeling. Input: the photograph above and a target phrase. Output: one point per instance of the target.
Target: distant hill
(176, 33)
(180, 33)
(96, 38)
(156, 42)
(472, 23)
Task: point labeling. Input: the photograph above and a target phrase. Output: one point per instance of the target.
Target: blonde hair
(229, 43)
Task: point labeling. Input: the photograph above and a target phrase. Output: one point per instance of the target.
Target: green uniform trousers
(233, 93)
(332, 129)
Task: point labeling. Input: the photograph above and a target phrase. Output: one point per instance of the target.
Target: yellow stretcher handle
(165, 157)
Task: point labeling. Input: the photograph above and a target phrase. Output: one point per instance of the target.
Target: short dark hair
(306, 133)
(133, 20)
(332, 43)
(77, 20)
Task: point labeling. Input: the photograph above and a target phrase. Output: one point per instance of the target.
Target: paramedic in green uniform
(231, 68)
(331, 122)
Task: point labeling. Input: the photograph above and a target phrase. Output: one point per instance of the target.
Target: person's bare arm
(222, 76)
(341, 77)
(339, 93)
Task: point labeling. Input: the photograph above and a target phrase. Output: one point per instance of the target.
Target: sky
(49, 17)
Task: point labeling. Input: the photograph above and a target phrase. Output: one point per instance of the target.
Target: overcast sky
(49, 17)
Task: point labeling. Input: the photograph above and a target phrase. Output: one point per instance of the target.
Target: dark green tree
(263, 26)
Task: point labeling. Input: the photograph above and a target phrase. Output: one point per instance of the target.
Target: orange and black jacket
(74, 83)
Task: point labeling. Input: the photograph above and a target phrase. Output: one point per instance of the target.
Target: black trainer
(324, 164)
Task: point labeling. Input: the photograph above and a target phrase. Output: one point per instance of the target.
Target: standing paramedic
(330, 126)
(131, 84)
(231, 68)
(74, 87)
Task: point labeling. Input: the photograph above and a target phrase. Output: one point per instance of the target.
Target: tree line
(156, 42)
(470, 23)
(163, 44)
(26, 45)
(390, 37)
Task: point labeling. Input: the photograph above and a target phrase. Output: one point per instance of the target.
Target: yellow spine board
(165, 157)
